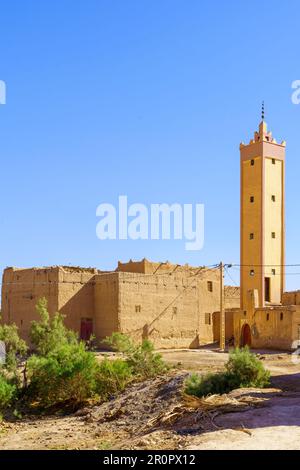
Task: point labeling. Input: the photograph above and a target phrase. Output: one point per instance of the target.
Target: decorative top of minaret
(263, 111)
(263, 135)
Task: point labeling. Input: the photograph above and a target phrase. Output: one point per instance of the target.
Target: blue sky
(145, 98)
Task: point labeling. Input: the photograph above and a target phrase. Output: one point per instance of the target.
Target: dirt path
(276, 426)
(124, 421)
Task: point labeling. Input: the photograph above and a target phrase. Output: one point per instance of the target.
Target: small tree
(141, 358)
(66, 374)
(48, 334)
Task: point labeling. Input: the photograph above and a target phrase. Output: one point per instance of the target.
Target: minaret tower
(262, 218)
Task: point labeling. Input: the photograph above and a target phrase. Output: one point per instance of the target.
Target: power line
(273, 274)
(229, 275)
(266, 265)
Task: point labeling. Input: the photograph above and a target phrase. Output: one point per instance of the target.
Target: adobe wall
(232, 297)
(69, 290)
(21, 290)
(149, 267)
(229, 328)
(291, 298)
(173, 308)
(147, 308)
(106, 301)
(76, 295)
(271, 327)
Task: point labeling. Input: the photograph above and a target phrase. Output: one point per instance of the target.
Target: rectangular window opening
(209, 286)
(267, 289)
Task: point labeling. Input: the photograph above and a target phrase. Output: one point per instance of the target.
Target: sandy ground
(123, 423)
(276, 426)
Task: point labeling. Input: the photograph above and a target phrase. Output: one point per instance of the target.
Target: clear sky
(147, 98)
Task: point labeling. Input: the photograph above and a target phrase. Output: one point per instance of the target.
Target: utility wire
(229, 275)
(266, 265)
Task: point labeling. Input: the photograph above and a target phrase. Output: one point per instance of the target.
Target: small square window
(251, 198)
(252, 162)
(273, 198)
(273, 235)
(138, 309)
(273, 161)
(207, 319)
(273, 272)
(209, 286)
(251, 236)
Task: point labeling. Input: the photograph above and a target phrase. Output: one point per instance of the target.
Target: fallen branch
(203, 408)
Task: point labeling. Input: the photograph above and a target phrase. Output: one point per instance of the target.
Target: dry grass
(209, 407)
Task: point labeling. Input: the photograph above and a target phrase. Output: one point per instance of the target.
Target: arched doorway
(246, 336)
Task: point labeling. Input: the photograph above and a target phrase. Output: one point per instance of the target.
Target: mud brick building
(173, 306)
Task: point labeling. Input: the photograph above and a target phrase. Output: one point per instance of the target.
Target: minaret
(262, 218)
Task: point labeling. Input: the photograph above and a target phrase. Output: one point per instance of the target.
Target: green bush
(7, 392)
(246, 370)
(243, 370)
(14, 345)
(65, 375)
(141, 358)
(119, 342)
(49, 334)
(208, 384)
(145, 362)
(112, 377)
